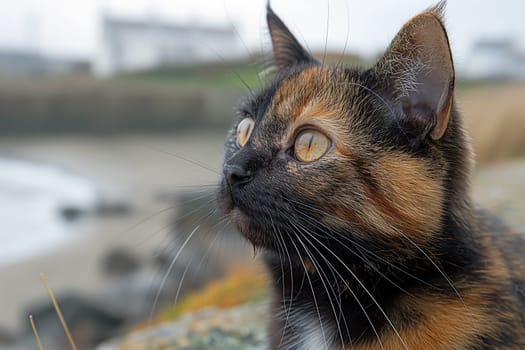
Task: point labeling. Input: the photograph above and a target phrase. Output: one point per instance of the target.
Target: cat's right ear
(287, 51)
(417, 72)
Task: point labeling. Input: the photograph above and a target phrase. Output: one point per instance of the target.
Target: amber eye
(244, 131)
(310, 145)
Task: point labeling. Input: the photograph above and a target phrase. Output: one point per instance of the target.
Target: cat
(355, 185)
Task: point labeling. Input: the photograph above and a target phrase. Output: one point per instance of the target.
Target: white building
(130, 45)
(495, 59)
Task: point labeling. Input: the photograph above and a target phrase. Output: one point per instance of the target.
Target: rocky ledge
(239, 328)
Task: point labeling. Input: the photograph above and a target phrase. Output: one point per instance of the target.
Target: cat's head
(375, 155)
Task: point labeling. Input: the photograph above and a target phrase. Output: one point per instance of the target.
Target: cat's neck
(352, 281)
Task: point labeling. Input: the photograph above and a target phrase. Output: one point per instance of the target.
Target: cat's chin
(248, 229)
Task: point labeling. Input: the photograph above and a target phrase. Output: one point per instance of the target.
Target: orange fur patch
(411, 197)
(445, 324)
(297, 97)
(407, 199)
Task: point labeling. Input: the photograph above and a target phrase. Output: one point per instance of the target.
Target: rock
(110, 207)
(120, 262)
(72, 213)
(89, 323)
(104, 206)
(132, 297)
(6, 337)
(239, 328)
(138, 295)
(500, 188)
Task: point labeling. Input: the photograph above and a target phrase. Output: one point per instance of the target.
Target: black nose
(236, 175)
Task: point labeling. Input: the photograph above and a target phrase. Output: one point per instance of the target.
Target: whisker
(188, 160)
(435, 265)
(282, 244)
(203, 258)
(250, 55)
(237, 75)
(327, 29)
(171, 242)
(168, 246)
(177, 221)
(149, 236)
(356, 299)
(165, 278)
(140, 222)
(305, 230)
(321, 273)
(347, 33)
(366, 291)
(350, 289)
(181, 282)
(390, 264)
(355, 243)
(313, 292)
(362, 258)
(402, 270)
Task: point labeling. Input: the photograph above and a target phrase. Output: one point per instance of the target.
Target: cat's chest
(310, 333)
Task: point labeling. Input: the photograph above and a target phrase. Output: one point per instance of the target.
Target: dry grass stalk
(35, 332)
(58, 311)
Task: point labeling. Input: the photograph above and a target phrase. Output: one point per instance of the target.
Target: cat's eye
(310, 145)
(244, 131)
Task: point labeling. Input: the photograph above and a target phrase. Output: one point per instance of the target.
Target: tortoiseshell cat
(355, 184)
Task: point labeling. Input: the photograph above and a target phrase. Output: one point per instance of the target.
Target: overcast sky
(71, 27)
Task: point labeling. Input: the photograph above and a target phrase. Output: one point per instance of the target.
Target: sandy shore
(139, 168)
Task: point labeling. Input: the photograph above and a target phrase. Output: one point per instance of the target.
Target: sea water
(33, 199)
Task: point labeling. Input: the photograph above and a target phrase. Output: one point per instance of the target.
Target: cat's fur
(377, 244)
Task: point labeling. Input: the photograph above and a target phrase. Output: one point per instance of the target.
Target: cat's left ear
(287, 51)
(417, 72)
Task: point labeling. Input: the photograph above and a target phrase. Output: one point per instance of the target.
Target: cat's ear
(286, 49)
(417, 72)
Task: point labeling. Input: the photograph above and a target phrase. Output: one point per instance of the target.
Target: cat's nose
(236, 175)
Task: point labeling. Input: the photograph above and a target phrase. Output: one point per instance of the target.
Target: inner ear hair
(417, 71)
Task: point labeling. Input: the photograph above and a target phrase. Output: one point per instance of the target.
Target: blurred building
(30, 63)
(498, 59)
(130, 45)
